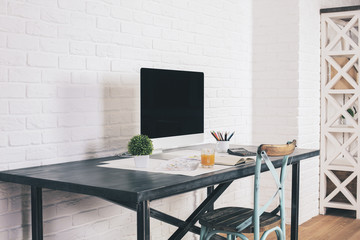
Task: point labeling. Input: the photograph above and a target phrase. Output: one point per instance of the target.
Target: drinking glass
(207, 157)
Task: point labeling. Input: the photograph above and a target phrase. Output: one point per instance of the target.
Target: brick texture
(69, 83)
(69, 89)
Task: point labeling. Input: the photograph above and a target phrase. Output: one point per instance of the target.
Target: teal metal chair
(235, 221)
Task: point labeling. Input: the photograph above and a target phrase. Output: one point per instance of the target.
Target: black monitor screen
(172, 102)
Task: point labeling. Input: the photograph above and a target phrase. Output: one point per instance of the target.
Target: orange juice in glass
(207, 157)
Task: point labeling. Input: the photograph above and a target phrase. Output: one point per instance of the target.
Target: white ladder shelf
(340, 128)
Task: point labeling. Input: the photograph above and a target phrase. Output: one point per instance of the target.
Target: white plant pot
(141, 161)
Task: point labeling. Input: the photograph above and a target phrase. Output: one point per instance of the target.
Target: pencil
(213, 133)
(217, 136)
(221, 138)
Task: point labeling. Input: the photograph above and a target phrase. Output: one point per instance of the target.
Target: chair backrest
(263, 153)
(273, 150)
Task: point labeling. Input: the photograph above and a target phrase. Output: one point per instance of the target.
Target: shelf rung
(348, 168)
(341, 129)
(342, 53)
(342, 91)
(347, 206)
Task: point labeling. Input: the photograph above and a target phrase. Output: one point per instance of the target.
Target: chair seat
(227, 219)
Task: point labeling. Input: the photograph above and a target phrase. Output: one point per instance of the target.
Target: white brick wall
(69, 82)
(287, 86)
(275, 78)
(69, 90)
(309, 104)
(275, 71)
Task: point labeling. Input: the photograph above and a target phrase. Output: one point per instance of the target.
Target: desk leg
(36, 213)
(143, 220)
(209, 191)
(295, 201)
(203, 207)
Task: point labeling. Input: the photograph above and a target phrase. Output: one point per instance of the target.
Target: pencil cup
(222, 146)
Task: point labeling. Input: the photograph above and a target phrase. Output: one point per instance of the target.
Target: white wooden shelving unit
(340, 131)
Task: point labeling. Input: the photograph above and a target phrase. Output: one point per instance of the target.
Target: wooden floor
(338, 226)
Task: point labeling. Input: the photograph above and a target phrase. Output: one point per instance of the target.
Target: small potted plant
(352, 111)
(140, 146)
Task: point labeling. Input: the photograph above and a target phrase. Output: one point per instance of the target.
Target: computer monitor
(172, 107)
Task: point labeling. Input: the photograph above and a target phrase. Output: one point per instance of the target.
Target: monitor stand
(164, 143)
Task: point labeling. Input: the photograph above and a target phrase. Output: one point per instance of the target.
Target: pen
(231, 136)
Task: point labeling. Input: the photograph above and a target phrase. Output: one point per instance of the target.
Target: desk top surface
(128, 185)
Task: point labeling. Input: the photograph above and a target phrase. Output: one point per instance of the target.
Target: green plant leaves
(140, 145)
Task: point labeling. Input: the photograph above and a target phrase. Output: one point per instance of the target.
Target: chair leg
(203, 232)
(278, 235)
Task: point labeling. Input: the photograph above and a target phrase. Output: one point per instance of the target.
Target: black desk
(135, 189)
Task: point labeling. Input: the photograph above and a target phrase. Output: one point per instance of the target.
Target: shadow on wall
(95, 119)
(121, 109)
(25, 204)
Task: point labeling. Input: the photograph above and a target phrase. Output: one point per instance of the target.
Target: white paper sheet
(155, 166)
(220, 158)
